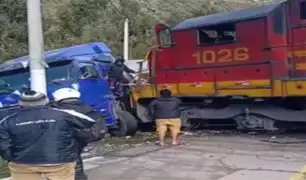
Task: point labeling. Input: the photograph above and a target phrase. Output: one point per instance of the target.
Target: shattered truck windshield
(19, 79)
(15, 79)
(4, 87)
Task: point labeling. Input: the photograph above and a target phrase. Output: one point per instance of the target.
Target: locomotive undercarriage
(278, 114)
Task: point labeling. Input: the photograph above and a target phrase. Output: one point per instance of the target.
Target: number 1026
(222, 55)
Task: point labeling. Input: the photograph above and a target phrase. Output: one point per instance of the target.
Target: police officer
(68, 98)
(115, 73)
(38, 140)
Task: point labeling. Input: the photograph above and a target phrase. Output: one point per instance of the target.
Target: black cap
(165, 93)
(120, 59)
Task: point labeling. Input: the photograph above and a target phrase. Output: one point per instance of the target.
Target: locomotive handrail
(233, 87)
(150, 50)
(284, 45)
(153, 50)
(220, 65)
(293, 78)
(140, 70)
(139, 81)
(291, 55)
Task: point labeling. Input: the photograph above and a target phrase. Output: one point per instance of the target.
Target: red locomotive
(248, 66)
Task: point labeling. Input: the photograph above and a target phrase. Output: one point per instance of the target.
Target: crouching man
(67, 98)
(38, 140)
(116, 74)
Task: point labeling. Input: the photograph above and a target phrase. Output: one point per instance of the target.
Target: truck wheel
(99, 130)
(104, 128)
(127, 125)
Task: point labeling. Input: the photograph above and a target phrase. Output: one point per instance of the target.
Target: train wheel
(255, 122)
(131, 122)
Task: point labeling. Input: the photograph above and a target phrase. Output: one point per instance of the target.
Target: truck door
(94, 89)
(297, 37)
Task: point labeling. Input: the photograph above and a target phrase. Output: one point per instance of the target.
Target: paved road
(205, 158)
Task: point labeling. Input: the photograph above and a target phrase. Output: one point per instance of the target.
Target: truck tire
(128, 125)
(104, 129)
(132, 123)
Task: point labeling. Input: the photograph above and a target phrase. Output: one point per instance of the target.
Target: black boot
(80, 175)
(79, 169)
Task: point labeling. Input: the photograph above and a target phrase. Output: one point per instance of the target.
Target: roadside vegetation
(71, 22)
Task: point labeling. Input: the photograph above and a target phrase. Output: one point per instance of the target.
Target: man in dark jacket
(67, 98)
(165, 111)
(38, 140)
(115, 72)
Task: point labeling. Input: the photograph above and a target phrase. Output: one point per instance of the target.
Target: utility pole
(126, 40)
(36, 47)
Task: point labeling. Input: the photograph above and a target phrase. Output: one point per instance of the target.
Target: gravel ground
(210, 155)
(4, 170)
(113, 144)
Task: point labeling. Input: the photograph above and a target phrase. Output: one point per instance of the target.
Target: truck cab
(83, 68)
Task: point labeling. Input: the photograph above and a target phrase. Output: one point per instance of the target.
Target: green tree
(13, 28)
(70, 22)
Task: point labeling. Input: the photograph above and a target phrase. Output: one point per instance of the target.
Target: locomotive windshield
(165, 38)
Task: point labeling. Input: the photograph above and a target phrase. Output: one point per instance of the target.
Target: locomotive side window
(207, 36)
(222, 33)
(279, 21)
(303, 10)
(165, 38)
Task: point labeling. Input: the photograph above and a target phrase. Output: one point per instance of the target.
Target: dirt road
(211, 157)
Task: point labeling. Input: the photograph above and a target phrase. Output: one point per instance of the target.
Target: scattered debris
(187, 133)
(216, 132)
(285, 140)
(252, 133)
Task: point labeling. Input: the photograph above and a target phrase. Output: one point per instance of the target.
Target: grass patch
(119, 143)
(137, 139)
(4, 171)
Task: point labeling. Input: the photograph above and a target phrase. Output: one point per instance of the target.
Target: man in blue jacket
(39, 140)
(68, 98)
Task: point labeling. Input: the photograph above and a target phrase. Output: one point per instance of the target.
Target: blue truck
(83, 67)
